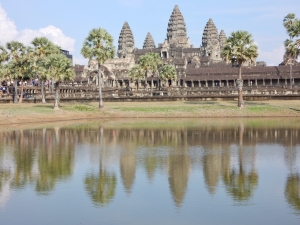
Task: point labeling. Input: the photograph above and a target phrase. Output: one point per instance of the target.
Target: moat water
(221, 171)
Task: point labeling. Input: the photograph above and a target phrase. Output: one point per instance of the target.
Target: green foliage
(83, 108)
(240, 48)
(292, 26)
(136, 73)
(20, 61)
(292, 49)
(57, 66)
(168, 72)
(98, 45)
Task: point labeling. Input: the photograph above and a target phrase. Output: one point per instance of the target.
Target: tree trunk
(240, 88)
(21, 94)
(43, 93)
(16, 91)
(56, 102)
(291, 68)
(100, 91)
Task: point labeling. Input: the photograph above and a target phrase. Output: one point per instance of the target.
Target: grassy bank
(36, 113)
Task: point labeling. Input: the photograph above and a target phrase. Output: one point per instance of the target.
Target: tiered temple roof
(149, 42)
(177, 29)
(126, 41)
(210, 34)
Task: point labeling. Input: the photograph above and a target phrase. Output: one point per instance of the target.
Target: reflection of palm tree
(101, 188)
(55, 162)
(24, 158)
(240, 184)
(292, 191)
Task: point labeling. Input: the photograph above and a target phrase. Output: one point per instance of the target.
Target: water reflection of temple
(225, 154)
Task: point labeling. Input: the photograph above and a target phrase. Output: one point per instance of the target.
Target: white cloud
(273, 57)
(9, 32)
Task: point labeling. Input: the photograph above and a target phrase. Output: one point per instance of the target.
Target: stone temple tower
(177, 30)
(126, 42)
(222, 40)
(210, 42)
(149, 42)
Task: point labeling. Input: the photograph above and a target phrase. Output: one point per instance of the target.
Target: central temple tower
(176, 32)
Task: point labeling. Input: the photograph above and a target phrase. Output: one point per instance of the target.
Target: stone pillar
(227, 84)
(256, 82)
(271, 83)
(192, 83)
(285, 82)
(249, 82)
(206, 83)
(234, 83)
(199, 83)
(184, 84)
(264, 84)
(278, 81)
(213, 83)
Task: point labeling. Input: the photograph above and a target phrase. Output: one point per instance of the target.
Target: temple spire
(176, 32)
(149, 42)
(126, 42)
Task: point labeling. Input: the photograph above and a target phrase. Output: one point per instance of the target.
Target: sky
(67, 23)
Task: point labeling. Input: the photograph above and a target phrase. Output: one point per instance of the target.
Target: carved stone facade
(176, 50)
(149, 42)
(126, 42)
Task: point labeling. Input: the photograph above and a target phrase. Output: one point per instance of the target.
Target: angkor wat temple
(196, 67)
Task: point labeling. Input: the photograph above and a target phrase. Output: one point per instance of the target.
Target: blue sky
(67, 22)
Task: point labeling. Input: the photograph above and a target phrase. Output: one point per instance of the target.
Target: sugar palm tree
(43, 48)
(20, 64)
(289, 22)
(240, 47)
(149, 62)
(168, 72)
(98, 45)
(59, 68)
(136, 73)
(3, 58)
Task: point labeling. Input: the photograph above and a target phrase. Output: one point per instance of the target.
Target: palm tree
(20, 64)
(59, 67)
(136, 73)
(43, 48)
(3, 58)
(98, 45)
(289, 22)
(240, 47)
(168, 72)
(149, 62)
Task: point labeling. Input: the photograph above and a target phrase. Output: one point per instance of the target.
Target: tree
(168, 72)
(290, 22)
(240, 47)
(98, 45)
(136, 73)
(149, 62)
(3, 58)
(20, 64)
(59, 68)
(43, 48)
